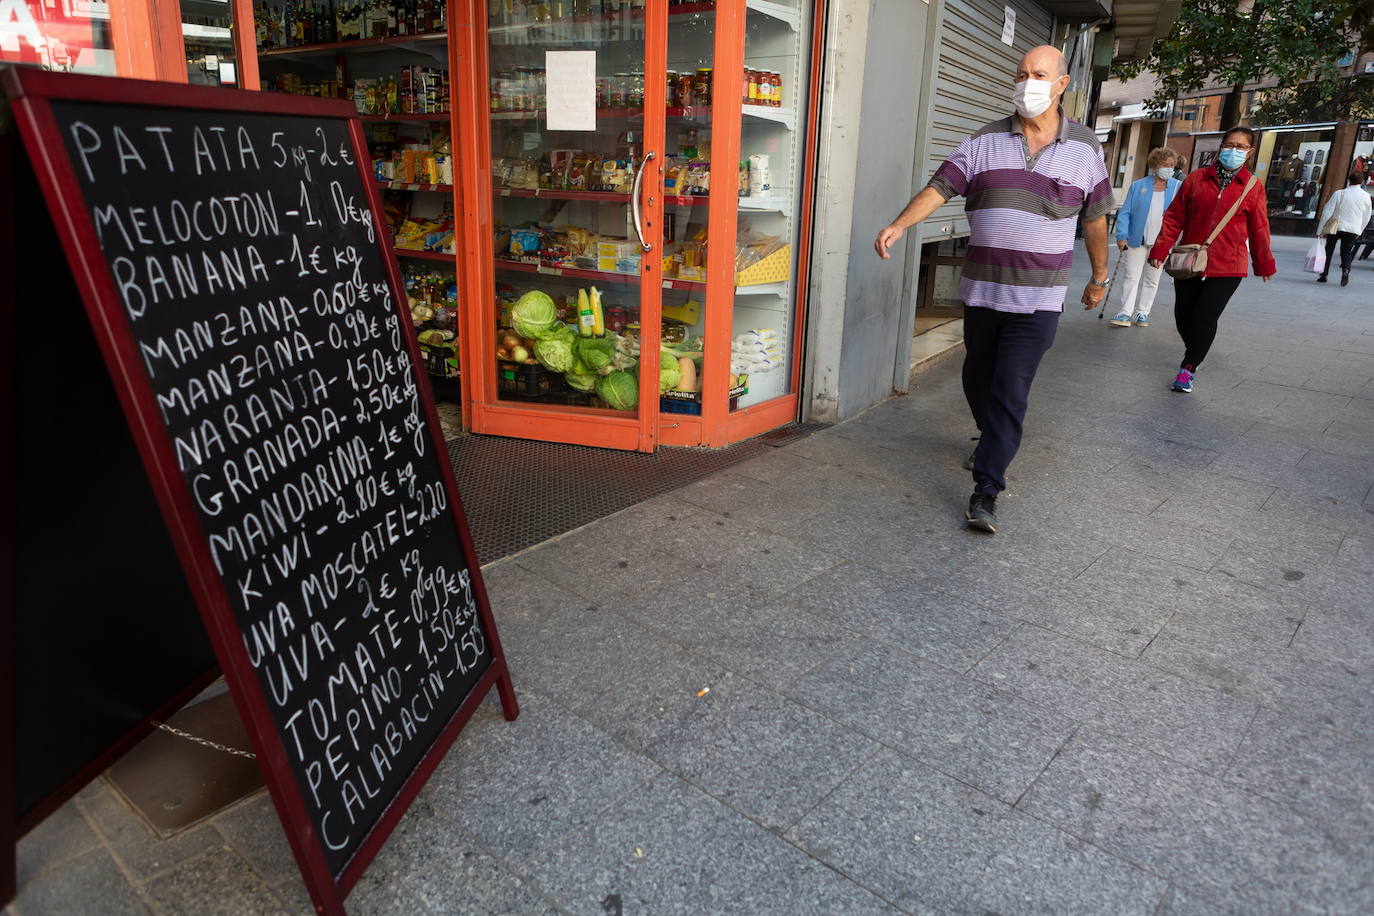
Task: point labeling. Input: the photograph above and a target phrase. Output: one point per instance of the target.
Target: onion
(510, 341)
(502, 353)
(519, 354)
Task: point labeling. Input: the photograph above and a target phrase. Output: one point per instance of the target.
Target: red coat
(1197, 208)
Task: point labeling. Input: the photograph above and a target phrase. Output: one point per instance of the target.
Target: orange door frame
(483, 411)
(146, 35)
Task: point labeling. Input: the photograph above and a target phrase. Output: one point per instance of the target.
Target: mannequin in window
(1289, 175)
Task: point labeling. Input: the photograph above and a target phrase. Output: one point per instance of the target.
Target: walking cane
(1111, 285)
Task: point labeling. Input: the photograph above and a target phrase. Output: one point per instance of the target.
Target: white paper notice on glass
(570, 81)
(1008, 25)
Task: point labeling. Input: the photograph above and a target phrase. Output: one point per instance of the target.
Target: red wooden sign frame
(31, 92)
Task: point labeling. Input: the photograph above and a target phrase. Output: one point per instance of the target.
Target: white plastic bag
(1315, 262)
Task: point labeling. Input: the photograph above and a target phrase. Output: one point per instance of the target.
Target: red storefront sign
(54, 34)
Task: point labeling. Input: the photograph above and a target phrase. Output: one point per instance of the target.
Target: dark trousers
(1198, 304)
(1347, 240)
(1001, 353)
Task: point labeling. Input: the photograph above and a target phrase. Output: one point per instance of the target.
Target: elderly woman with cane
(1137, 227)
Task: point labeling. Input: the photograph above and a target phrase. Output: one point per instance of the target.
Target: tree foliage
(1358, 17)
(1221, 43)
(1352, 99)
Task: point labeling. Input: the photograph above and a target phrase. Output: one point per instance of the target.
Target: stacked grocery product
(309, 22)
(414, 90)
(567, 246)
(523, 89)
(432, 296)
(581, 345)
(544, 12)
(695, 88)
(400, 157)
(756, 350)
(420, 226)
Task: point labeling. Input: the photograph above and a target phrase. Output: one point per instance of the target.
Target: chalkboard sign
(233, 261)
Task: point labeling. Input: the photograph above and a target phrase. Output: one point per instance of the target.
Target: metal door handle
(634, 203)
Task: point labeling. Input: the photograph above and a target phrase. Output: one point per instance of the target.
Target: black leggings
(1198, 304)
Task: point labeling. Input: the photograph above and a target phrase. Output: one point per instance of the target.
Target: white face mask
(1165, 174)
(1032, 97)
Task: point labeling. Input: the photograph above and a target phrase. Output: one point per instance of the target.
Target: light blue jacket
(1135, 209)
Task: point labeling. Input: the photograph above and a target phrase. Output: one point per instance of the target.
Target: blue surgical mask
(1231, 158)
(1164, 174)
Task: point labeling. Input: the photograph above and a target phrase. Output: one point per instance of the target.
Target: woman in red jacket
(1207, 194)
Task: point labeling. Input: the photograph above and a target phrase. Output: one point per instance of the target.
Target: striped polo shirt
(1023, 211)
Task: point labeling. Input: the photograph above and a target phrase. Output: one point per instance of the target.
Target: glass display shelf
(424, 255)
(389, 43)
(405, 118)
(414, 186)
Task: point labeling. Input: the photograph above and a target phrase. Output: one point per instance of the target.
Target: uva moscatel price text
(245, 257)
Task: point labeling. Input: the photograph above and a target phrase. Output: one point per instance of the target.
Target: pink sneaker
(1183, 381)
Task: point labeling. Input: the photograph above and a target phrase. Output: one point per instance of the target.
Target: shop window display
(1296, 166)
(207, 30)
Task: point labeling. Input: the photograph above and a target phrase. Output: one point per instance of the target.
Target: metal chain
(205, 742)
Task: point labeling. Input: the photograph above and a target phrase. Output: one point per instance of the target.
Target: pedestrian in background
(1027, 180)
(1343, 219)
(1207, 195)
(1137, 226)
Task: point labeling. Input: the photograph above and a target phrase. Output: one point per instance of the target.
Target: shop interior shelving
(338, 64)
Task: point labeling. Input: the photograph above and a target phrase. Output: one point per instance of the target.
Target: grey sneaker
(982, 512)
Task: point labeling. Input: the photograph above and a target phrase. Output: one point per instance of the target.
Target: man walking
(1350, 208)
(1027, 179)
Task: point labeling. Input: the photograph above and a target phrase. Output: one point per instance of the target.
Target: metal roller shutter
(974, 84)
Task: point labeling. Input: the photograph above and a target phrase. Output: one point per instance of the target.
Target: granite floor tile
(1313, 769)
(982, 735)
(62, 836)
(773, 644)
(254, 831)
(432, 864)
(1205, 835)
(218, 883)
(938, 846)
(136, 847)
(1199, 485)
(931, 624)
(556, 656)
(1189, 722)
(1117, 621)
(673, 849)
(552, 767)
(762, 754)
(1306, 684)
(91, 883)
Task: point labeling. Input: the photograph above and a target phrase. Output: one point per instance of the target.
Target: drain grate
(518, 493)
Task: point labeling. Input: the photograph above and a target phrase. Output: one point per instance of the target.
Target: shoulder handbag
(1188, 261)
(1333, 225)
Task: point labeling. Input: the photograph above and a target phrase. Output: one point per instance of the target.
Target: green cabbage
(554, 354)
(595, 352)
(619, 389)
(582, 381)
(669, 372)
(533, 314)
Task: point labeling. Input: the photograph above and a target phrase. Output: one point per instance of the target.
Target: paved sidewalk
(1151, 693)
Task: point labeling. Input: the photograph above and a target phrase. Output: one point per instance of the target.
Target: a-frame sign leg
(506, 690)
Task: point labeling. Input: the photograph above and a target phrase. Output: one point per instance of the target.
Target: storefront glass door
(575, 223)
